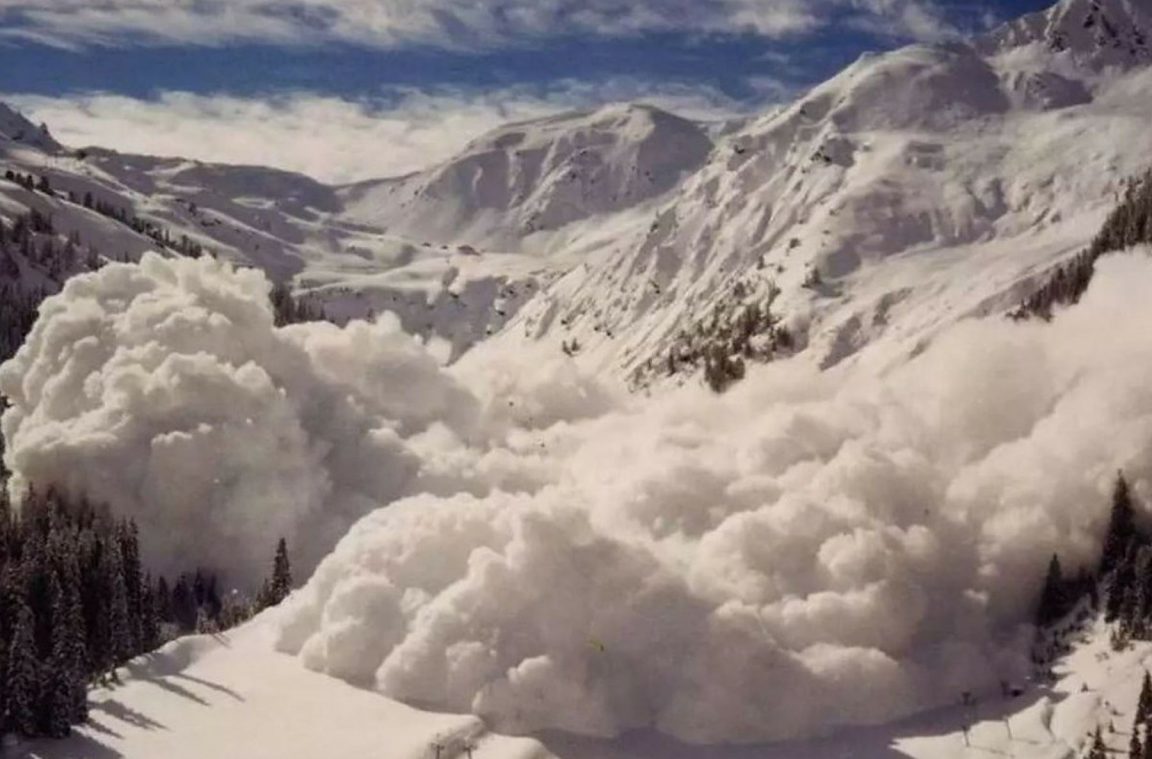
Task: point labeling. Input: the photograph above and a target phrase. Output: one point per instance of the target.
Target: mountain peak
(541, 175)
(1104, 32)
(15, 127)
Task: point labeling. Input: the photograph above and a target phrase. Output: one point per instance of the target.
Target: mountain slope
(1096, 32)
(538, 177)
(913, 189)
(118, 206)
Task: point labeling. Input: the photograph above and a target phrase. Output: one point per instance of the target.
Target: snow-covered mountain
(914, 188)
(1095, 32)
(922, 185)
(539, 177)
(613, 574)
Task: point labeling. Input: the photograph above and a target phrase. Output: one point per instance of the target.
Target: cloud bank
(359, 139)
(809, 550)
(393, 23)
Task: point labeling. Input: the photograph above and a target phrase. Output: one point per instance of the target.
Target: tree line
(1129, 224)
(1123, 576)
(76, 602)
(1121, 583)
(158, 233)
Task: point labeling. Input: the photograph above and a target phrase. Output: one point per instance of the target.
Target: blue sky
(434, 72)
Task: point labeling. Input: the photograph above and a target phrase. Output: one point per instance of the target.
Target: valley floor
(231, 697)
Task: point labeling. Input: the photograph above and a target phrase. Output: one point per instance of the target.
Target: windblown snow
(546, 554)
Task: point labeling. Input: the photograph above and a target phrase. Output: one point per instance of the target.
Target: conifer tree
(1098, 749)
(3, 684)
(1144, 704)
(75, 657)
(1135, 747)
(22, 674)
(1120, 527)
(163, 602)
(56, 677)
(129, 538)
(119, 632)
(184, 604)
(149, 620)
(281, 584)
(1052, 598)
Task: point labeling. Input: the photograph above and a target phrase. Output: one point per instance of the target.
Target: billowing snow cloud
(165, 390)
(804, 552)
(807, 551)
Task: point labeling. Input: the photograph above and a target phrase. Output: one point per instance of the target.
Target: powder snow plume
(165, 390)
(807, 551)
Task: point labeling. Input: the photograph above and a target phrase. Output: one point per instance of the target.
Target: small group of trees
(1129, 224)
(289, 309)
(76, 601)
(29, 182)
(34, 261)
(183, 245)
(30, 242)
(1123, 577)
(742, 328)
(17, 315)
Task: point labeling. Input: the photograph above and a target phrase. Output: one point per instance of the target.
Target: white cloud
(902, 19)
(330, 138)
(391, 23)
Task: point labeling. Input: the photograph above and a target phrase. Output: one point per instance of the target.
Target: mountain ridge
(622, 231)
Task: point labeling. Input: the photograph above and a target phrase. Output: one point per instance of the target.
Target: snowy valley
(621, 434)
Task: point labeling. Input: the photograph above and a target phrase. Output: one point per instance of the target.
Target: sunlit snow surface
(231, 697)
